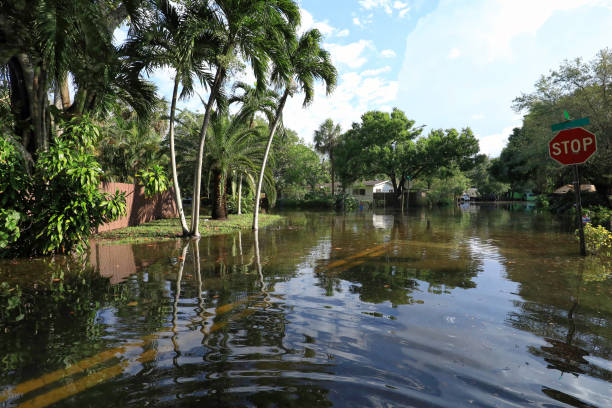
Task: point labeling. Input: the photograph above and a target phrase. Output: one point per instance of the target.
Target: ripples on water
(451, 308)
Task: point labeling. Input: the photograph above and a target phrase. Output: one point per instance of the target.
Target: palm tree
(43, 42)
(232, 147)
(325, 140)
(307, 63)
(173, 39)
(250, 30)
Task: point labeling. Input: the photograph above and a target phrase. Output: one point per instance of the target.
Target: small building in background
(363, 191)
(585, 188)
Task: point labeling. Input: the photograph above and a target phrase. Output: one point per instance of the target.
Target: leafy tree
(307, 62)
(325, 139)
(583, 89)
(305, 171)
(250, 30)
(386, 144)
(481, 178)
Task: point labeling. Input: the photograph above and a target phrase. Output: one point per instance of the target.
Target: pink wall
(139, 209)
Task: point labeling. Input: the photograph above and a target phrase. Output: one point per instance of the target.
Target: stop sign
(572, 146)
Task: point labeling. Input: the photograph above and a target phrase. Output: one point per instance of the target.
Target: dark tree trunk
(219, 211)
(29, 103)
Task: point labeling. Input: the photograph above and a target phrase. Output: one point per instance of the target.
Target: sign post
(573, 145)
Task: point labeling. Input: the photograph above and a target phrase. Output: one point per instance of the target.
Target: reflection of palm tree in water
(177, 295)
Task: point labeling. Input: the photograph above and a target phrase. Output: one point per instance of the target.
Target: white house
(364, 190)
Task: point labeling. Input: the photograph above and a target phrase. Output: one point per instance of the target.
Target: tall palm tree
(308, 62)
(173, 39)
(232, 147)
(250, 30)
(325, 139)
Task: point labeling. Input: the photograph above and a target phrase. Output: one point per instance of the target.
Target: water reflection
(424, 308)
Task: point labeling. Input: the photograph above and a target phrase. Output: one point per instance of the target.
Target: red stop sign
(572, 146)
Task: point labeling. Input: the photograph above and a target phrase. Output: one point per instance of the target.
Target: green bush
(60, 196)
(247, 203)
(599, 215)
(598, 241)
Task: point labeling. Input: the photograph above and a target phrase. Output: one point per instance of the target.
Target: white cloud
(399, 5)
(403, 12)
(357, 22)
(355, 94)
(350, 54)
(370, 4)
(388, 53)
(478, 116)
(492, 145)
(343, 33)
(502, 49)
(375, 72)
(454, 53)
(308, 22)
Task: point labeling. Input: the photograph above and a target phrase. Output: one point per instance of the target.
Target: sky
(445, 63)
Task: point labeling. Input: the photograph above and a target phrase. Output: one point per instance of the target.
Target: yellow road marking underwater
(105, 374)
(342, 265)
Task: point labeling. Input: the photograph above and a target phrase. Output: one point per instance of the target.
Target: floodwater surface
(480, 306)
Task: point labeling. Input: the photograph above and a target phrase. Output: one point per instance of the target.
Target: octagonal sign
(572, 146)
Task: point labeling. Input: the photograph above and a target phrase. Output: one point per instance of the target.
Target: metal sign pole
(579, 209)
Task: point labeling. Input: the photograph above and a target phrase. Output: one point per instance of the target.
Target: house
(363, 191)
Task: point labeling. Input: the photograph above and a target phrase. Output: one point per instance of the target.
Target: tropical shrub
(57, 206)
(598, 240)
(247, 203)
(154, 180)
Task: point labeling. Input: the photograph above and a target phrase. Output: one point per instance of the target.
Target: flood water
(480, 306)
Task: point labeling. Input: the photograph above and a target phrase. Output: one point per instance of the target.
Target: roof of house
(589, 188)
(374, 182)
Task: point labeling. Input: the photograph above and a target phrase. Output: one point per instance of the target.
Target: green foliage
(444, 191)
(598, 242)
(599, 215)
(386, 143)
(347, 202)
(9, 227)
(61, 197)
(246, 204)
(154, 180)
(11, 305)
(128, 145)
(488, 186)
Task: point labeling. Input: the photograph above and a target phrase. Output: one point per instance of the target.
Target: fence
(139, 209)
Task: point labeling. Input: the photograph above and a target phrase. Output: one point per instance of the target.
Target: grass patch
(160, 230)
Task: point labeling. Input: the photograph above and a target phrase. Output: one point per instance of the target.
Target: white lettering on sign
(575, 146)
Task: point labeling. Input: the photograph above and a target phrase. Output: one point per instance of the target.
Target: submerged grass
(159, 230)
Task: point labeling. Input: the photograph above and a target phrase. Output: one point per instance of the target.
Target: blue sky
(445, 63)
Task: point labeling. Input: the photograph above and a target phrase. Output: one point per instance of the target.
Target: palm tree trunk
(218, 210)
(331, 163)
(177, 190)
(279, 112)
(195, 212)
(240, 195)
